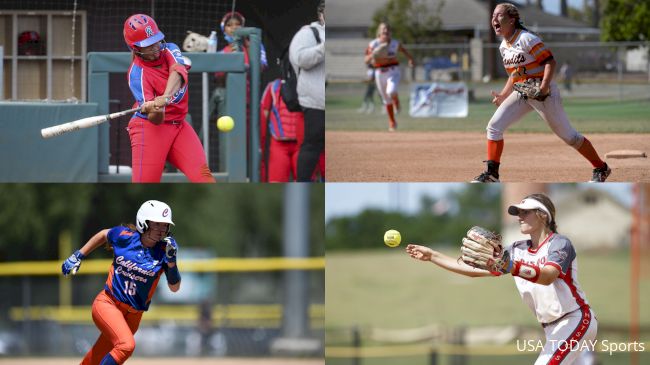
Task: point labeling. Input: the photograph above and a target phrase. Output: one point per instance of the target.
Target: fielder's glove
(171, 248)
(380, 52)
(482, 249)
(530, 89)
(72, 264)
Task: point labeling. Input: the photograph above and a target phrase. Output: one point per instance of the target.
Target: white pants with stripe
(577, 329)
(387, 80)
(551, 110)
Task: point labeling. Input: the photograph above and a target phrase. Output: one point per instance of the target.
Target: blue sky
(351, 198)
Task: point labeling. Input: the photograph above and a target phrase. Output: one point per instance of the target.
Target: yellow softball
(225, 123)
(392, 238)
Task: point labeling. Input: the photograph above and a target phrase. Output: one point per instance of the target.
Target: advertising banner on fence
(439, 99)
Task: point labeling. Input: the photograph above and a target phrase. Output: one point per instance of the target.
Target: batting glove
(71, 264)
(171, 249)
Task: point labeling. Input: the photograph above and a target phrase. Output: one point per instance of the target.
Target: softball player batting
(387, 73)
(545, 269)
(525, 57)
(142, 252)
(158, 132)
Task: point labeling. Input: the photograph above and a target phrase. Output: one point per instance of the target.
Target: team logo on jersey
(515, 59)
(148, 31)
(563, 255)
(126, 232)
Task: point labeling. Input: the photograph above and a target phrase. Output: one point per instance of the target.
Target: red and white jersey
(524, 55)
(550, 302)
(393, 48)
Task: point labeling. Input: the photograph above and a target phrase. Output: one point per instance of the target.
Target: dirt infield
(170, 361)
(458, 156)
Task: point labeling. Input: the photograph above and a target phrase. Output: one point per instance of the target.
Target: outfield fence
(594, 69)
(226, 307)
(438, 344)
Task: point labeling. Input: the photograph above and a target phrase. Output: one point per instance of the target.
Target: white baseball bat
(60, 129)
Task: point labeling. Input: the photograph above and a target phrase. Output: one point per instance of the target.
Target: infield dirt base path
(458, 157)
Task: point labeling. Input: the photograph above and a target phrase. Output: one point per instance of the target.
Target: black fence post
(356, 342)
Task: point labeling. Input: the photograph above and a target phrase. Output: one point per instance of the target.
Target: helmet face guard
(154, 211)
(141, 30)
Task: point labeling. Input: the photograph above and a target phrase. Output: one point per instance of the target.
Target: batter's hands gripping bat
(60, 129)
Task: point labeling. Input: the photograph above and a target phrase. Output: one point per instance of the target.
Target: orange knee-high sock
(391, 116)
(494, 150)
(589, 152)
(396, 101)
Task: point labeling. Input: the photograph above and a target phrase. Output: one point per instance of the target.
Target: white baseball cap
(529, 204)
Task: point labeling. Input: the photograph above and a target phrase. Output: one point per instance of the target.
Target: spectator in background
(566, 72)
(205, 326)
(307, 56)
(280, 152)
(229, 24)
(368, 105)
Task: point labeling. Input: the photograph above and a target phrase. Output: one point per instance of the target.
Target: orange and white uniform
(524, 56)
(387, 73)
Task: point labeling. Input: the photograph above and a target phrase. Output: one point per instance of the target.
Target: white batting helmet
(155, 211)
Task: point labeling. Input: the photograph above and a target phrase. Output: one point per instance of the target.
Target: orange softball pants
(117, 322)
(152, 145)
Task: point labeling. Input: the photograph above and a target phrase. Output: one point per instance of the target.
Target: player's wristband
(526, 271)
(173, 276)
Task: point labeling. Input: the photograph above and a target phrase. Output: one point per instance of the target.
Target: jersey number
(129, 287)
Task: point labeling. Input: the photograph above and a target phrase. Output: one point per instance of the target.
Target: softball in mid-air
(392, 238)
(225, 123)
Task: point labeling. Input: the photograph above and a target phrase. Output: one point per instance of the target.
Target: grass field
(587, 113)
(387, 289)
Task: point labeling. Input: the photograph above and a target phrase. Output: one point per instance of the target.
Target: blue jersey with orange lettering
(136, 269)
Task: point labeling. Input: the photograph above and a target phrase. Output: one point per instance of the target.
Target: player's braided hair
(549, 205)
(513, 12)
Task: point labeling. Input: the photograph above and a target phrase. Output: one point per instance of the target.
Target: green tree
(411, 20)
(234, 220)
(441, 221)
(626, 20)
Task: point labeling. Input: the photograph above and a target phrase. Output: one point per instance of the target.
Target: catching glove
(530, 89)
(482, 249)
(71, 264)
(380, 52)
(171, 248)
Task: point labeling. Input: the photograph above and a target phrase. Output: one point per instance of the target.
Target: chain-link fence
(615, 70)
